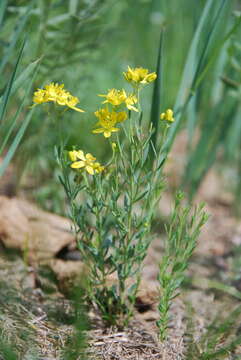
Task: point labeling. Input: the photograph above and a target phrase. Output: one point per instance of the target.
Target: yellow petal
(90, 157)
(78, 164)
(90, 170)
(99, 169)
(169, 115)
(73, 155)
(121, 116)
(98, 131)
(151, 77)
(131, 107)
(76, 109)
(60, 102)
(107, 134)
(80, 155)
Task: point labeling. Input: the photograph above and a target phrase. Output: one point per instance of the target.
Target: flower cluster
(57, 94)
(85, 162)
(139, 76)
(167, 115)
(117, 97)
(108, 117)
(108, 120)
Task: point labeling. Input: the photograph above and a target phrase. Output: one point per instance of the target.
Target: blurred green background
(87, 44)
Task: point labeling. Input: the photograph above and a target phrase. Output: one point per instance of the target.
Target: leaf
(234, 134)
(141, 196)
(15, 143)
(179, 267)
(197, 61)
(6, 350)
(3, 6)
(156, 97)
(18, 112)
(25, 74)
(207, 284)
(16, 35)
(6, 94)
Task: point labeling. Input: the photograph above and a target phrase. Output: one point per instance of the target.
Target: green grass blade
(209, 41)
(25, 74)
(4, 99)
(191, 119)
(207, 284)
(216, 51)
(16, 35)
(195, 64)
(223, 352)
(73, 6)
(190, 65)
(215, 132)
(157, 92)
(3, 6)
(204, 154)
(18, 112)
(216, 92)
(15, 142)
(234, 135)
(6, 351)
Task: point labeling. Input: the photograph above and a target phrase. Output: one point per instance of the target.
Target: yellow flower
(115, 97)
(139, 75)
(71, 101)
(108, 120)
(87, 162)
(56, 93)
(113, 145)
(130, 101)
(98, 168)
(118, 97)
(73, 155)
(121, 116)
(167, 115)
(39, 96)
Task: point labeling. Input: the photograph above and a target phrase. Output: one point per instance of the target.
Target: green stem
(99, 228)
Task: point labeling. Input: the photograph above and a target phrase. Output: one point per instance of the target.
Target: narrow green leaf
(57, 20)
(3, 7)
(156, 97)
(18, 112)
(4, 99)
(191, 119)
(204, 154)
(196, 63)
(215, 52)
(15, 142)
(7, 351)
(206, 284)
(25, 74)
(190, 65)
(223, 352)
(73, 6)
(234, 134)
(141, 196)
(16, 35)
